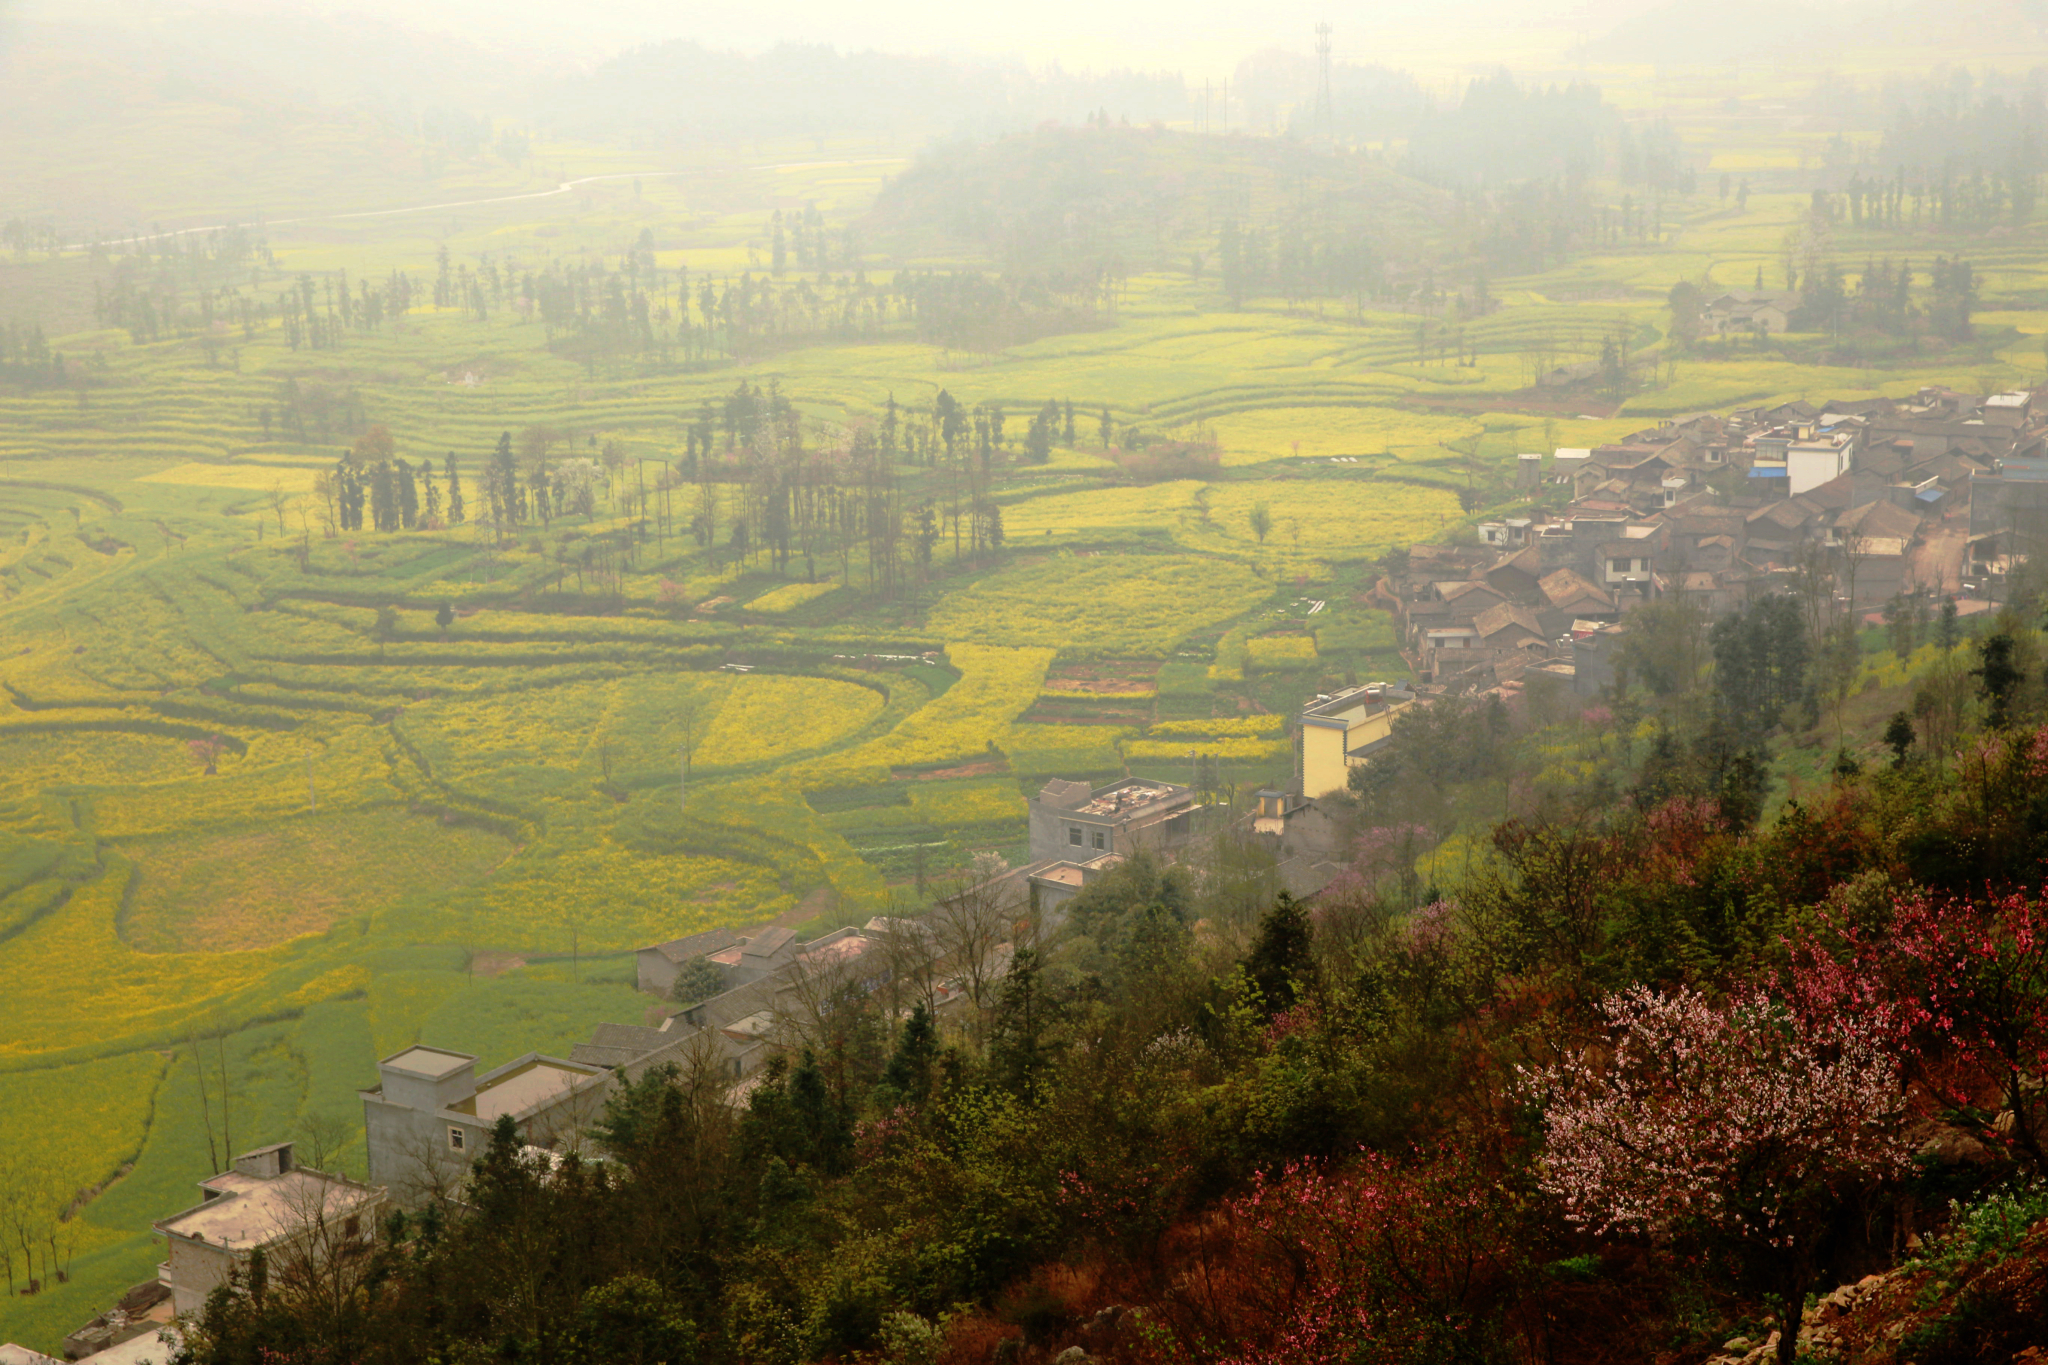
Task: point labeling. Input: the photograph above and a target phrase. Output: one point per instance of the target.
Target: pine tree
(1900, 736)
(455, 507)
(907, 1079)
(1281, 960)
(502, 481)
(408, 497)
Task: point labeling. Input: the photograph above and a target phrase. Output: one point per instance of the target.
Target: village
(1874, 503)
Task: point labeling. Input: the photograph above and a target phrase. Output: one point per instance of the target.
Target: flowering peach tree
(1965, 986)
(1740, 1128)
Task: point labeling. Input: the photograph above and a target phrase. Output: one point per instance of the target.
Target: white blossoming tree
(1738, 1129)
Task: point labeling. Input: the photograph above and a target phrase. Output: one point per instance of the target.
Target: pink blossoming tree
(1965, 986)
(1739, 1129)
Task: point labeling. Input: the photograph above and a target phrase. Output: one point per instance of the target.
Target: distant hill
(197, 115)
(1064, 198)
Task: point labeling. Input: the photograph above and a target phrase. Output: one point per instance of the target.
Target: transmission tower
(1326, 114)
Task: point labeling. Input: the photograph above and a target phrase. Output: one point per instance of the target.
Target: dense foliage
(1642, 1071)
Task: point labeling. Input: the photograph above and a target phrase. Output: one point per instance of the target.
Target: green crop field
(263, 817)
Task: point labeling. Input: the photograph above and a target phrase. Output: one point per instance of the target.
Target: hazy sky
(1201, 37)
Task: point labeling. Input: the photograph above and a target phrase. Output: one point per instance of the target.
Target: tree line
(755, 483)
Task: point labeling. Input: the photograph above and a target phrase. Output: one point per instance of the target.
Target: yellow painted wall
(1326, 760)
(1323, 769)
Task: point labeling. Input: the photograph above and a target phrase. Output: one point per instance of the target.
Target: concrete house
(1072, 822)
(1745, 310)
(431, 1114)
(2009, 409)
(1336, 733)
(265, 1201)
(1818, 458)
(2011, 495)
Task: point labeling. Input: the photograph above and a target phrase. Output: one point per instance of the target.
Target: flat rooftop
(524, 1088)
(430, 1061)
(251, 1211)
(1361, 698)
(1129, 796)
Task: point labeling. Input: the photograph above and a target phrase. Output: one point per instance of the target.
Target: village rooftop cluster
(1937, 494)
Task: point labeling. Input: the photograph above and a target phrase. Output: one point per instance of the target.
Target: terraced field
(260, 810)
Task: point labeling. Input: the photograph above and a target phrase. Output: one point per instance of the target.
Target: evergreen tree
(383, 498)
(408, 497)
(1900, 736)
(456, 510)
(1760, 659)
(501, 481)
(1281, 962)
(1998, 677)
(907, 1079)
(1020, 1049)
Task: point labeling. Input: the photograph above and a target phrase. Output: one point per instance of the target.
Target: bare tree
(1854, 548)
(973, 917)
(321, 1265)
(29, 1211)
(824, 994)
(205, 1107)
(910, 953)
(11, 1196)
(430, 1172)
(571, 1120)
(692, 725)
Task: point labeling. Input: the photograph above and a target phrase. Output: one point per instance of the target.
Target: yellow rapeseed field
(1327, 518)
(1283, 651)
(1128, 603)
(1240, 749)
(1222, 727)
(1276, 433)
(996, 686)
(252, 478)
(65, 1130)
(790, 596)
(1160, 507)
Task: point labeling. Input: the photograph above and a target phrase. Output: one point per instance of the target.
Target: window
(454, 1139)
(352, 1228)
(1098, 838)
(1074, 835)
